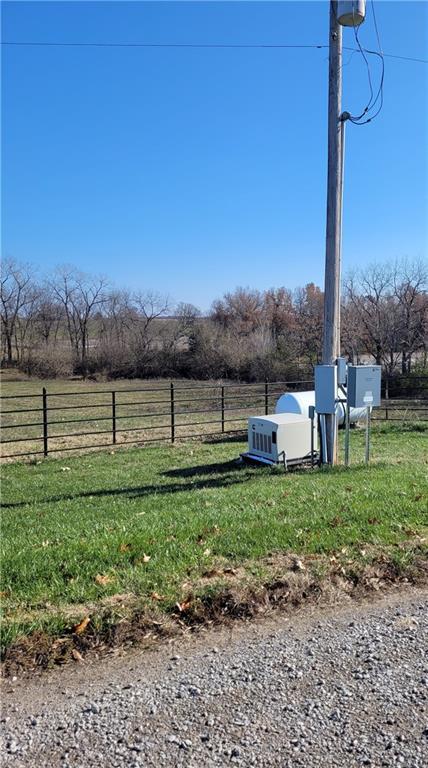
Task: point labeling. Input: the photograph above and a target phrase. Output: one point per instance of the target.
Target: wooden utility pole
(331, 339)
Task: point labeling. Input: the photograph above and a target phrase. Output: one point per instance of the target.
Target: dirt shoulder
(328, 685)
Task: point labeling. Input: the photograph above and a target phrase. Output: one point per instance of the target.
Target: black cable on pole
(357, 120)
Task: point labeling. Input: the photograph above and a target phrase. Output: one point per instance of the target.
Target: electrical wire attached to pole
(365, 116)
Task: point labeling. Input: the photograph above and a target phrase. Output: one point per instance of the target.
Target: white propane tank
(299, 402)
(351, 13)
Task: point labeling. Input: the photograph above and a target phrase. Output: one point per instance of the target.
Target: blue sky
(192, 171)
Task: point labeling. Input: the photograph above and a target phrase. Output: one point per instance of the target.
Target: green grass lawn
(149, 522)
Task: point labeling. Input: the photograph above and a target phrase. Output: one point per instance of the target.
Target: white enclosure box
(351, 13)
(325, 388)
(281, 437)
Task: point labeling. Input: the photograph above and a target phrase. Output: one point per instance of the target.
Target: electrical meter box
(364, 386)
(325, 388)
(341, 370)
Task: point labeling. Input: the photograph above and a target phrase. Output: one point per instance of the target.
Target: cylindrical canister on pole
(351, 13)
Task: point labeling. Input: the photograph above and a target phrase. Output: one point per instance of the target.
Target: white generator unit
(283, 438)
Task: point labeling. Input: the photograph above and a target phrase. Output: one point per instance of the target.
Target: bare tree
(115, 318)
(81, 296)
(389, 307)
(279, 313)
(410, 279)
(47, 316)
(18, 291)
(308, 304)
(368, 292)
(146, 308)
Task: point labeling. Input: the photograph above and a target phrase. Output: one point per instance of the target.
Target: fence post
(172, 414)
(222, 409)
(266, 397)
(113, 415)
(45, 421)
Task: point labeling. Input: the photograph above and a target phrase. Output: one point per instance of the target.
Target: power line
(165, 45)
(76, 44)
(357, 120)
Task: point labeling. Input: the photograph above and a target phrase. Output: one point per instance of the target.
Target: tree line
(75, 323)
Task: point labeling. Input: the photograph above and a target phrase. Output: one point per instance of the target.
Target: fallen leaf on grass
(184, 606)
(157, 596)
(144, 559)
(103, 580)
(65, 469)
(124, 548)
(76, 655)
(80, 628)
(207, 552)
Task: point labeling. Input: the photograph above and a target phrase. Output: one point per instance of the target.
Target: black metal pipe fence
(177, 404)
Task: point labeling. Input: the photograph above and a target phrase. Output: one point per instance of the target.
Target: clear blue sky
(192, 171)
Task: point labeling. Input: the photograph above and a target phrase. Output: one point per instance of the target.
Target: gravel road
(344, 687)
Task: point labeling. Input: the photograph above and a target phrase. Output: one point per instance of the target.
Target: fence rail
(158, 414)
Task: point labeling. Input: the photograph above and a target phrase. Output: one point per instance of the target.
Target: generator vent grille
(262, 442)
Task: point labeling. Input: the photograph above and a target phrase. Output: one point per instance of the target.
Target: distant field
(160, 524)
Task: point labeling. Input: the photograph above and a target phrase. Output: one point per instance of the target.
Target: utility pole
(331, 339)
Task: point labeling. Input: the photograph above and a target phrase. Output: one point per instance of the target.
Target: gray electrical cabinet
(325, 388)
(363, 386)
(341, 370)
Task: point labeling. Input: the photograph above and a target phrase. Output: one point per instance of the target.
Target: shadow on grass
(239, 437)
(219, 468)
(225, 474)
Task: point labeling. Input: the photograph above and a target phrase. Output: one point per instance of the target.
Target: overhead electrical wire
(357, 40)
(76, 44)
(373, 100)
